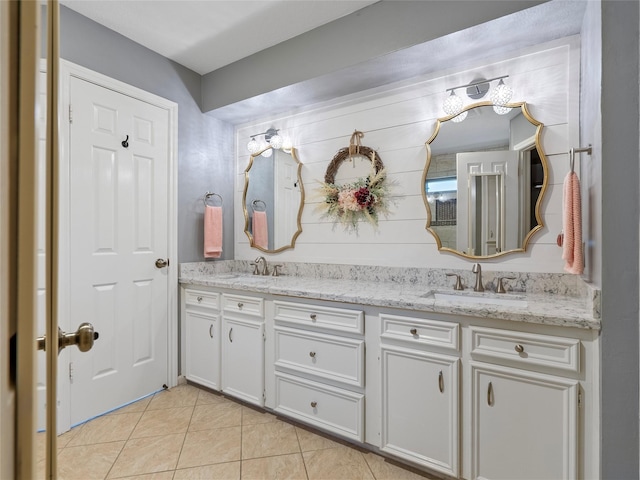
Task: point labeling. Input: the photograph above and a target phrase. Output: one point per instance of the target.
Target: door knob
(84, 338)
(161, 263)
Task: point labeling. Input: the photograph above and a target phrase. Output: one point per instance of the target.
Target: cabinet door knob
(441, 382)
(313, 316)
(519, 348)
(314, 404)
(211, 330)
(413, 331)
(199, 299)
(312, 354)
(230, 337)
(240, 305)
(490, 395)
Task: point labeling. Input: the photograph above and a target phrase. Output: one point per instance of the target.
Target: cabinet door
(243, 359)
(420, 395)
(524, 424)
(203, 349)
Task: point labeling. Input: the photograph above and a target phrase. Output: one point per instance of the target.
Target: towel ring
(207, 196)
(257, 203)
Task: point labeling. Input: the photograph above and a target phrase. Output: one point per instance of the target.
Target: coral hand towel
(260, 230)
(572, 225)
(212, 232)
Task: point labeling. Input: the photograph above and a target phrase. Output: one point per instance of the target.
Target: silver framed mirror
(273, 200)
(484, 181)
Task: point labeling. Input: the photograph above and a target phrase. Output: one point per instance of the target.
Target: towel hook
(125, 142)
(257, 203)
(208, 195)
(572, 159)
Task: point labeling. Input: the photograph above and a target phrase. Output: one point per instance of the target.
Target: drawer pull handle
(230, 337)
(519, 348)
(240, 305)
(413, 331)
(441, 382)
(199, 299)
(313, 317)
(314, 404)
(490, 395)
(312, 354)
(211, 330)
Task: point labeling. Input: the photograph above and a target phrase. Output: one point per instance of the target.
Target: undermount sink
(475, 298)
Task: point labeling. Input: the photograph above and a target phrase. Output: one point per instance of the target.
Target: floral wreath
(363, 199)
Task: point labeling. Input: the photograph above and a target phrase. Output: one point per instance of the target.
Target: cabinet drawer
(327, 318)
(417, 331)
(325, 356)
(526, 348)
(334, 409)
(202, 298)
(244, 304)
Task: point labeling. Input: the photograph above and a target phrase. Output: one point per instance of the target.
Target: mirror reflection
(484, 181)
(273, 200)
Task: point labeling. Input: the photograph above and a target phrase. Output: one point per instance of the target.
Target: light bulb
(276, 141)
(501, 110)
(253, 146)
(287, 144)
(501, 94)
(461, 117)
(267, 153)
(452, 104)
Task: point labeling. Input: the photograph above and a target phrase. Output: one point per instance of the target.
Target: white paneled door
(118, 215)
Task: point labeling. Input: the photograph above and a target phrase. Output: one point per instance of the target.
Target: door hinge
(264, 395)
(71, 372)
(70, 114)
(580, 399)
(264, 336)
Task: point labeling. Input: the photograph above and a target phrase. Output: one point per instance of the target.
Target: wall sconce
(500, 96)
(271, 138)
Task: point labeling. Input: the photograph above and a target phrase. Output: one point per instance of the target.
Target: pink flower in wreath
(348, 201)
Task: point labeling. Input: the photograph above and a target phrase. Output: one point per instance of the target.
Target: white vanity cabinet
(202, 327)
(319, 366)
(242, 341)
(421, 391)
(524, 423)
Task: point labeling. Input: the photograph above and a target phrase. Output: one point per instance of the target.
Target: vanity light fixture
(500, 96)
(271, 138)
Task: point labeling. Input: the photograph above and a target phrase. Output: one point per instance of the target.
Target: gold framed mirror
(484, 181)
(273, 200)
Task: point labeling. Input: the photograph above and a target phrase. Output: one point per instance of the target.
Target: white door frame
(67, 71)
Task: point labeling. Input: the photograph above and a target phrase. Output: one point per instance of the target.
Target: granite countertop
(539, 308)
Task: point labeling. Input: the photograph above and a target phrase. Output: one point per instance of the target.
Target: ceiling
(190, 32)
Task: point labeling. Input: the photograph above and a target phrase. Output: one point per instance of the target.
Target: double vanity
(456, 382)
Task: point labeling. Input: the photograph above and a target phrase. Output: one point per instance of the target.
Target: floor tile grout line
(184, 440)
(304, 463)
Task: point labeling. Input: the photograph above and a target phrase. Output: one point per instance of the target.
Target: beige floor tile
(208, 447)
(66, 437)
(268, 439)
(148, 455)
(216, 415)
(87, 462)
(343, 463)
(383, 470)
(109, 428)
(181, 396)
(253, 417)
(312, 441)
(137, 406)
(205, 398)
(168, 475)
(281, 467)
(221, 471)
(163, 422)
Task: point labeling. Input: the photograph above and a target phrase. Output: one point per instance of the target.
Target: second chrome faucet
(477, 269)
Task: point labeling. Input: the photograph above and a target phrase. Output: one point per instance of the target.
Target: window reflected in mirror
(484, 181)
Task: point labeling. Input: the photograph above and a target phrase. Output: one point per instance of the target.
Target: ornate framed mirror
(273, 200)
(484, 181)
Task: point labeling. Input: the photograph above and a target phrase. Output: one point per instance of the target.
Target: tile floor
(189, 433)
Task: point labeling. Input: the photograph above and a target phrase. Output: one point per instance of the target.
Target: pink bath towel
(212, 232)
(572, 225)
(260, 230)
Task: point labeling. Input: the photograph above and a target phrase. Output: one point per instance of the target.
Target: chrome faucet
(265, 268)
(477, 269)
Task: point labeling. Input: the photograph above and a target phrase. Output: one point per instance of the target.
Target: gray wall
(620, 214)
(205, 144)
